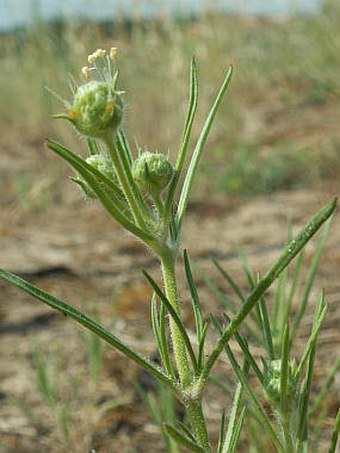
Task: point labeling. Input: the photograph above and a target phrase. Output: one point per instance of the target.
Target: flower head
(152, 172)
(273, 381)
(104, 165)
(97, 107)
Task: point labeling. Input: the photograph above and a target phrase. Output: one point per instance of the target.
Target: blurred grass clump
(283, 110)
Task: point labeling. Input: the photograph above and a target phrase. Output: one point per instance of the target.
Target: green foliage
(285, 384)
(185, 364)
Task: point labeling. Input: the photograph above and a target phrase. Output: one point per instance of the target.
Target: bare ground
(73, 250)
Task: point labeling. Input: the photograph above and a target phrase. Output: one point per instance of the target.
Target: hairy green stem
(195, 414)
(193, 405)
(171, 292)
(287, 434)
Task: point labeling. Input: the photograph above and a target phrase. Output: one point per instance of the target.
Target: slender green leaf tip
(195, 159)
(182, 439)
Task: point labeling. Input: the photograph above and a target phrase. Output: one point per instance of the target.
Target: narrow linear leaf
(233, 419)
(294, 285)
(192, 106)
(320, 313)
(185, 429)
(266, 329)
(243, 345)
(221, 433)
(92, 175)
(237, 431)
(182, 439)
(257, 406)
(87, 322)
(280, 300)
(158, 326)
(302, 434)
(129, 187)
(122, 143)
(247, 268)
(196, 305)
(174, 316)
(200, 356)
(287, 256)
(125, 157)
(310, 278)
(162, 317)
(83, 168)
(335, 434)
(193, 166)
(284, 377)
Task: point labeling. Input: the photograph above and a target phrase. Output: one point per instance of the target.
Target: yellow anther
(73, 114)
(86, 71)
(113, 53)
(91, 58)
(100, 53)
(110, 106)
(96, 54)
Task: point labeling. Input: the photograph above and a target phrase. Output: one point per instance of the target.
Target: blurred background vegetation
(277, 130)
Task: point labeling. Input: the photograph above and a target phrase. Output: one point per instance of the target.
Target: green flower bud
(152, 172)
(96, 110)
(272, 381)
(102, 164)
